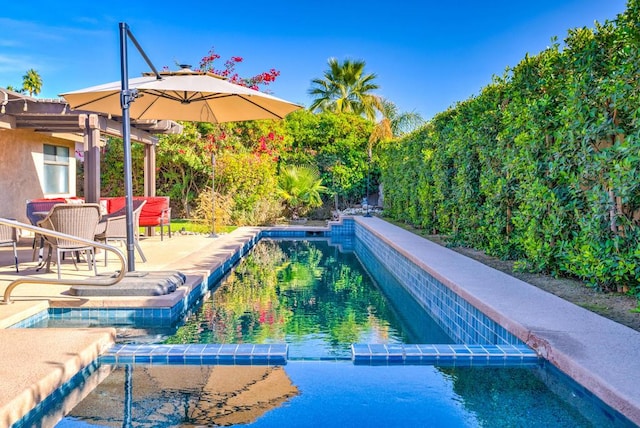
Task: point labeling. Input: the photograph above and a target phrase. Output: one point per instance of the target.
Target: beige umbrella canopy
(183, 95)
(188, 396)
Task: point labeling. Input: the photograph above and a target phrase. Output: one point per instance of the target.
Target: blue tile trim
(32, 320)
(282, 233)
(444, 355)
(33, 417)
(463, 322)
(207, 354)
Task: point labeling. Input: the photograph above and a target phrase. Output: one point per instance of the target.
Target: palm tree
(393, 124)
(301, 188)
(32, 82)
(346, 89)
(11, 88)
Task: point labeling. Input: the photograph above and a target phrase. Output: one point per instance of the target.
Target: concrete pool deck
(598, 353)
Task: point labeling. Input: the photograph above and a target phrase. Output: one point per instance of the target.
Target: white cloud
(14, 64)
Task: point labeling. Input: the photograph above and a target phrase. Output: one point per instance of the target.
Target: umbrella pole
(213, 196)
(126, 98)
(128, 395)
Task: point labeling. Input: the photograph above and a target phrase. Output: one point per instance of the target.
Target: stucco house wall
(22, 170)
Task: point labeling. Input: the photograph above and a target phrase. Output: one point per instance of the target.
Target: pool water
(312, 296)
(328, 394)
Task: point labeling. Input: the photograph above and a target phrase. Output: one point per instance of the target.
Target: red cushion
(114, 204)
(151, 211)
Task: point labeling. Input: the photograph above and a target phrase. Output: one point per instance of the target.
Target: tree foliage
(394, 123)
(336, 144)
(345, 88)
(32, 82)
(300, 186)
(183, 166)
(542, 166)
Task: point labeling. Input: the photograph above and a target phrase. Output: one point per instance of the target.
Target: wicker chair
(113, 227)
(78, 220)
(35, 208)
(9, 236)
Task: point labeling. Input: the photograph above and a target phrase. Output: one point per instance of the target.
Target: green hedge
(542, 166)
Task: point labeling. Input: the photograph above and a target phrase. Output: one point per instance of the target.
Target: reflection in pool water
(312, 296)
(330, 394)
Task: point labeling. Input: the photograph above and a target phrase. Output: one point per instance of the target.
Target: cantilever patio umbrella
(182, 95)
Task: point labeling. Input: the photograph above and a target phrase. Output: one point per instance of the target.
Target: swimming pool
(347, 383)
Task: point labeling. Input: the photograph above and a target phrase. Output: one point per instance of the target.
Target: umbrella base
(135, 284)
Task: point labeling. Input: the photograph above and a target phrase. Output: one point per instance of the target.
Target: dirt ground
(615, 306)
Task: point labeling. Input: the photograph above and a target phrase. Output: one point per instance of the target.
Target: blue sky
(427, 55)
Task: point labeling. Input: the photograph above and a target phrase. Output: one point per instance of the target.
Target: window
(56, 169)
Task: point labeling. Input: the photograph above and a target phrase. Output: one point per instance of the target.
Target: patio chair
(36, 211)
(113, 228)
(9, 236)
(78, 220)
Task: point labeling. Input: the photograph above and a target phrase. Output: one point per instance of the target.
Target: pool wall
(461, 321)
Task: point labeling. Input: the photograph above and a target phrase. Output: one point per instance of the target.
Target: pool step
(209, 354)
(444, 355)
(364, 354)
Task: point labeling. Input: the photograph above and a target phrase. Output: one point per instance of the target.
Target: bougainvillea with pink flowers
(228, 71)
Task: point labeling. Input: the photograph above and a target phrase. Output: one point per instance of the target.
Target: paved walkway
(601, 354)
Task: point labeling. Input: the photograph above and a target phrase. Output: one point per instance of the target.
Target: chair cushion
(152, 212)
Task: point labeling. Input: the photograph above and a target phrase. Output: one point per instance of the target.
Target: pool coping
(213, 354)
(361, 354)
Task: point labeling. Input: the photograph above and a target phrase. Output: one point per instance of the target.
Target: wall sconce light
(25, 106)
